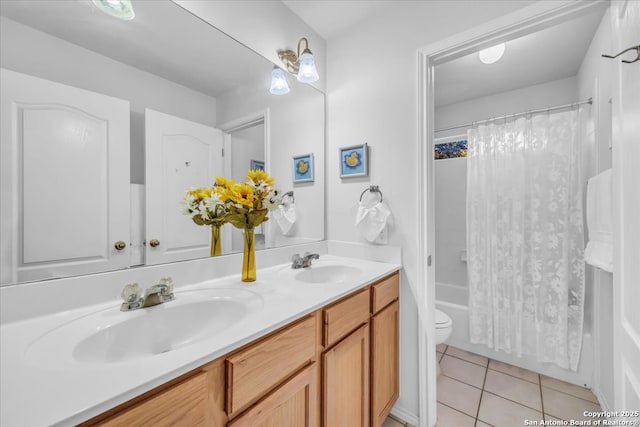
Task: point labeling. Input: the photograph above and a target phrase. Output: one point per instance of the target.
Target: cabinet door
(179, 154)
(294, 404)
(384, 363)
(64, 158)
(345, 388)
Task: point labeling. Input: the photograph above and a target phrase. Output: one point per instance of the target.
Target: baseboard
(405, 415)
(604, 404)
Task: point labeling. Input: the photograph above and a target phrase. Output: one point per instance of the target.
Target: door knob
(120, 245)
(154, 242)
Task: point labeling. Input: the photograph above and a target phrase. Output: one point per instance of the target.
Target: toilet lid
(442, 320)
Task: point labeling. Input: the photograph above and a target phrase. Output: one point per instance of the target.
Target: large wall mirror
(106, 123)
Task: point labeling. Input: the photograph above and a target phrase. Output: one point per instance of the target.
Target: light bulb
(492, 54)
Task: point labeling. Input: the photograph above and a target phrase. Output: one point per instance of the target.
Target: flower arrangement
(244, 205)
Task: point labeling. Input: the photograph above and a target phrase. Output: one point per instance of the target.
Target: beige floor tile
(441, 348)
(462, 370)
(566, 407)
(458, 395)
(481, 424)
(390, 422)
(513, 388)
(515, 371)
(500, 412)
(548, 417)
(448, 417)
(465, 355)
(574, 390)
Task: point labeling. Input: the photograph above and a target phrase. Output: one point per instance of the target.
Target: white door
(65, 179)
(180, 154)
(625, 17)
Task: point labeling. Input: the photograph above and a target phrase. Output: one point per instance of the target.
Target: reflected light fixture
(304, 66)
(121, 9)
(279, 84)
(492, 54)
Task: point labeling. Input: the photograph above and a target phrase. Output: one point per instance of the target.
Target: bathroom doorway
(526, 21)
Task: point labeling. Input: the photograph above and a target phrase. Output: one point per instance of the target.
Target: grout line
(514, 376)
(569, 394)
(484, 381)
(513, 401)
(465, 360)
(457, 410)
(460, 381)
(544, 415)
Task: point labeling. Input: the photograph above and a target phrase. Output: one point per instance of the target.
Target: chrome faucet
(303, 261)
(156, 294)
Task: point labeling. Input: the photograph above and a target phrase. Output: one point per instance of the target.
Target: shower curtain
(525, 237)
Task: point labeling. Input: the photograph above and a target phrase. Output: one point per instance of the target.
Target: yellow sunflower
(241, 193)
(258, 176)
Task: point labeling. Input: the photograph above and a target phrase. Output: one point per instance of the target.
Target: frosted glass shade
(279, 84)
(307, 73)
(492, 54)
(121, 9)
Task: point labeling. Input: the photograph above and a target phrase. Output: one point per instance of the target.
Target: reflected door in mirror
(65, 180)
(180, 154)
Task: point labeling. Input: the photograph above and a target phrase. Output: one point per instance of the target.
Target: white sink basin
(111, 336)
(328, 273)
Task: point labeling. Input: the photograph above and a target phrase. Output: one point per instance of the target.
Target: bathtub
(452, 299)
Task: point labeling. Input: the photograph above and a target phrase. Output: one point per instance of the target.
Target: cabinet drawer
(182, 404)
(255, 370)
(344, 317)
(384, 292)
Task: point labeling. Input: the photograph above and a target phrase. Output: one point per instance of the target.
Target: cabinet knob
(120, 245)
(154, 242)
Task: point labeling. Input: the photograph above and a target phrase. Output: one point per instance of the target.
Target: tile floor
(474, 391)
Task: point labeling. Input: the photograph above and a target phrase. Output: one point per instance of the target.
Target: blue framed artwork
(303, 170)
(450, 147)
(257, 165)
(354, 161)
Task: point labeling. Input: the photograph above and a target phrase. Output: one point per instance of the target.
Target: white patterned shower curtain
(525, 239)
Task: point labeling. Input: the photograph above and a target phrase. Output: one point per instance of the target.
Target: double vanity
(311, 346)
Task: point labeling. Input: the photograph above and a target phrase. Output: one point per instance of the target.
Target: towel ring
(372, 189)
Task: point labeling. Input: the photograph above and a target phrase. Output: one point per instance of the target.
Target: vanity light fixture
(304, 66)
(121, 9)
(279, 84)
(492, 54)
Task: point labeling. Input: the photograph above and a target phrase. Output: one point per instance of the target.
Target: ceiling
(548, 55)
(160, 40)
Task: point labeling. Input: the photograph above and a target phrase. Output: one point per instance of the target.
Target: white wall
(372, 97)
(39, 54)
(594, 80)
(451, 174)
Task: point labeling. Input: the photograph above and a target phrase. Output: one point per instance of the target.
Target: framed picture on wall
(303, 169)
(354, 161)
(450, 147)
(257, 165)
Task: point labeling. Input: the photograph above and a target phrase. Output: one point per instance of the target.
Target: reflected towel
(370, 221)
(599, 250)
(285, 217)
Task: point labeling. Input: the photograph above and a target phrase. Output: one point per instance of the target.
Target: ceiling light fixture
(121, 9)
(303, 65)
(492, 54)
(279, 84)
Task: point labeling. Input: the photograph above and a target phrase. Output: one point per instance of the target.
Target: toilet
(444, 326)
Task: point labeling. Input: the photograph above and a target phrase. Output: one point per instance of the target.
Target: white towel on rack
(285, 216)
(599, 250)
(370, 221)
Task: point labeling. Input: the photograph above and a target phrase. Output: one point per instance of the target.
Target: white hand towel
(285, 217)
(599, 250)
(370, 221)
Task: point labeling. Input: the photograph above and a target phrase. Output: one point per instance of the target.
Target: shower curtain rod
(541, 110)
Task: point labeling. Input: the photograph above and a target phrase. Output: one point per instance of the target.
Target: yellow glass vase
(216, 241)
(249, 256)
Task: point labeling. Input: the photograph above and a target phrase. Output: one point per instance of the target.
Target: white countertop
(43, 388)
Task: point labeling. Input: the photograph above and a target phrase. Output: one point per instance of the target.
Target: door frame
(235, 125)
(535, 17)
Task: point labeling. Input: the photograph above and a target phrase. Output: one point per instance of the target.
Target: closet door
(180, 154)
(65, 179)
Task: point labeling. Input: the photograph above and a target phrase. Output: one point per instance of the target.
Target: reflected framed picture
(303, 169)
(354, 161)
(450, 147)
(257, 165)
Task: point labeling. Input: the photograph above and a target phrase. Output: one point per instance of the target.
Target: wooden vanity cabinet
(335, 367)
